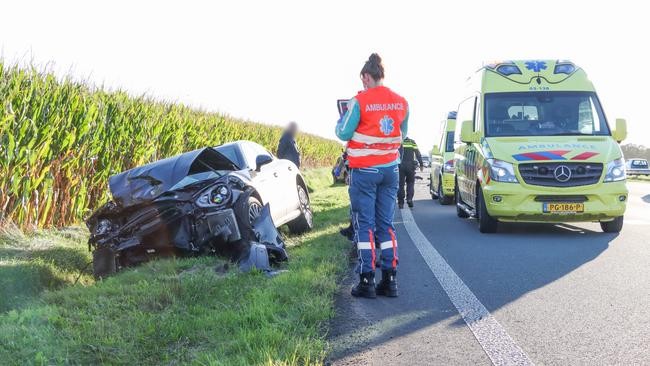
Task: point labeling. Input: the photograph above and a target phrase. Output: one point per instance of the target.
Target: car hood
(147, 182)
(554, 148)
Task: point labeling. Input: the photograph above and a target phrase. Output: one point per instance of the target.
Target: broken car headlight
(103, 226)
(215, 196)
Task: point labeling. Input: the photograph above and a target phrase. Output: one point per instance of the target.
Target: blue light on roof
(564, 69)
(508, 70)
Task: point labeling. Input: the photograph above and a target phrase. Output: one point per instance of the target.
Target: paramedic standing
(409, 153)
(373, 127)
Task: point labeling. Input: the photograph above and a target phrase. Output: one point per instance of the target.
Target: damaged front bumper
(171, 231)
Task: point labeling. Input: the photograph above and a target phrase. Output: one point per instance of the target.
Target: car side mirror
(467, 134)
(262, 160)
(620, 131)
(435, 150)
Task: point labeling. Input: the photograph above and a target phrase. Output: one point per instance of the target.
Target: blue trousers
(373, 192)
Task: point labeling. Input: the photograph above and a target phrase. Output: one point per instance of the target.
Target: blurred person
(373, 127)
(287, 147)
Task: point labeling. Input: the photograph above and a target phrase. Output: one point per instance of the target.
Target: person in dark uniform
(409, 153)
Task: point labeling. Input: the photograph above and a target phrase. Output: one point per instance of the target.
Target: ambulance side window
(450, 141)
(466, 111)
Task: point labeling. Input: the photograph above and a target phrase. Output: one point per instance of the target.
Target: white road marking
(496, 342)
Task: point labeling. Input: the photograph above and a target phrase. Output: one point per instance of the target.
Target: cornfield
(61, 140)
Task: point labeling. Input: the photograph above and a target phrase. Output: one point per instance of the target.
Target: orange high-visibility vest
(378, 136)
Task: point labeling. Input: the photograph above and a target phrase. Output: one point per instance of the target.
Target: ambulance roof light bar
(564, 67)
(505, 68)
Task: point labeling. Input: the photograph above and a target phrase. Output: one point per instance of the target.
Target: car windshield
(229, 151)
(544, 114)
(198, 177)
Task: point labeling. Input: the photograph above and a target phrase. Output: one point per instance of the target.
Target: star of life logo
(536, 65)
(386, 125)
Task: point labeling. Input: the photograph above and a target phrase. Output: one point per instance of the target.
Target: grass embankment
(171, 311)
(60, 141)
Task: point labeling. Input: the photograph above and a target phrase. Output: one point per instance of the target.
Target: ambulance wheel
(444, 200)
(614, 226)
(460, 212)
(486, 223)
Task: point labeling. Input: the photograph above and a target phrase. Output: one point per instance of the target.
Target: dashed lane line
(492, 337)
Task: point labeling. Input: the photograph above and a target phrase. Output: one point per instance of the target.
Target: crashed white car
(214, 200)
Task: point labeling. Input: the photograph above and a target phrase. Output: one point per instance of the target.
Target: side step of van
(471, 212)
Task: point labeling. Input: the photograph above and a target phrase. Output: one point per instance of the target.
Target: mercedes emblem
(562, 173)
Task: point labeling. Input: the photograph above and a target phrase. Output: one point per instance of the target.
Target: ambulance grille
(544, 174)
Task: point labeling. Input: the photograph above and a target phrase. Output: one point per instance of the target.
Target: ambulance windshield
(544, 114)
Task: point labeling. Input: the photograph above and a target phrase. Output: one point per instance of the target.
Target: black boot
(348, 232)
(388, 284)
(410, 203)
(366, 286)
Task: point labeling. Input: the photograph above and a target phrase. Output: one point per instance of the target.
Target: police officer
(373, 126)
(409, 152)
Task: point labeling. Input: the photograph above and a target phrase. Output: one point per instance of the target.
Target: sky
(279, 61)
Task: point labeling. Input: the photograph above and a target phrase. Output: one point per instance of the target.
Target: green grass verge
(171, 311)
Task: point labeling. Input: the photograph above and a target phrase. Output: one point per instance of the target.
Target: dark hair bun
(373, 67)
(375, 59)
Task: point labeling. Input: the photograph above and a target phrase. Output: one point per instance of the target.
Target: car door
(474, 161)
(437, 160)
(287, 171)
(435, 171)
(266, 180)
(286, 192)
(466, 170)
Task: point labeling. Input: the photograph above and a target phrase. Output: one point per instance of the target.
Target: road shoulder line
(493, 338)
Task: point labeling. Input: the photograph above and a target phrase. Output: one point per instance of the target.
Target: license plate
(563, 207)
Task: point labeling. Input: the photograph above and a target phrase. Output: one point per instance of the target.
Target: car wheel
(305, 221)
(486, 223)
(104, 262)
(247, 208)
(459, 210)
(444, 200)
(614, 226)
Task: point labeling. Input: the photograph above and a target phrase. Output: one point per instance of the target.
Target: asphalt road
(559, 294)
